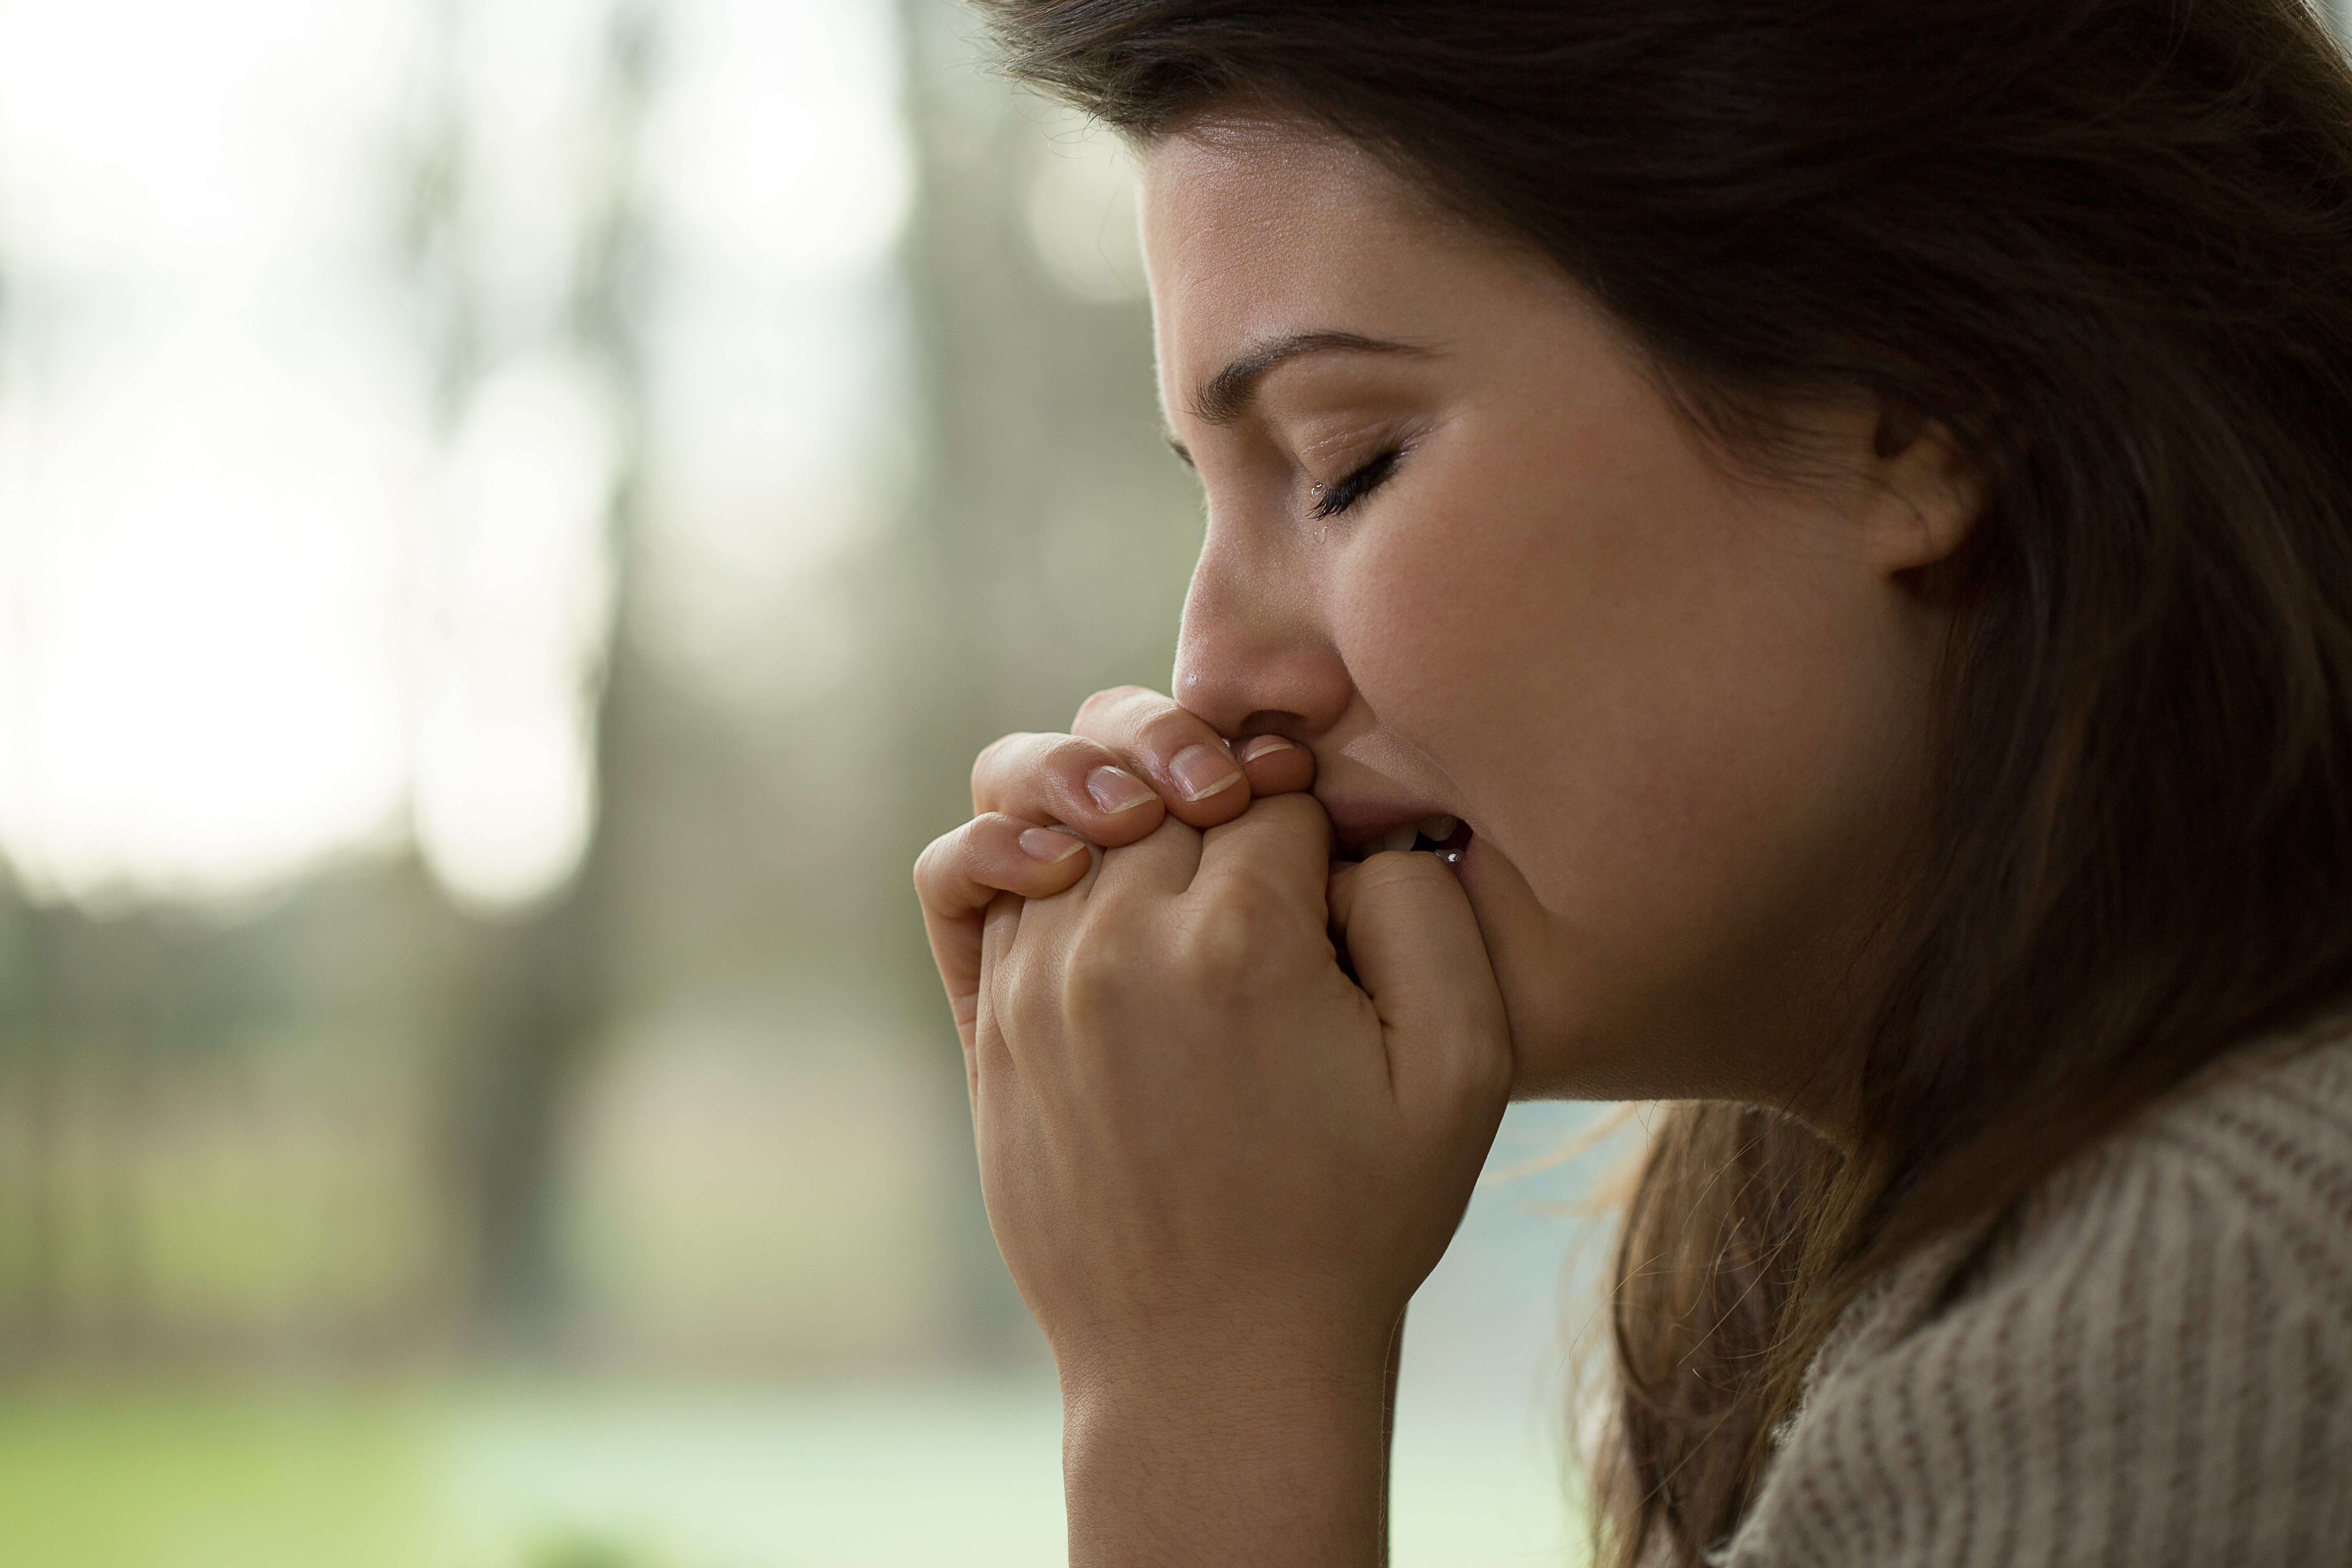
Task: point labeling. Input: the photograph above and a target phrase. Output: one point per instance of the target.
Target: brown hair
(2107, 245)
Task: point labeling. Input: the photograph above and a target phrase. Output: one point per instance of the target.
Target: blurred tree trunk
(533, 999)
(29, 1094)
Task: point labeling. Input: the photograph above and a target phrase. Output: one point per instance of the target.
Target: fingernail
(1049, 845)
(1201, 771)
(1258, 747)
(1117, 790)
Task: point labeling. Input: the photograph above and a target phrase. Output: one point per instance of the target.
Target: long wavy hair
(2107, 245)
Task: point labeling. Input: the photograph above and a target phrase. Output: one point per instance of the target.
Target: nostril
(1273, 721)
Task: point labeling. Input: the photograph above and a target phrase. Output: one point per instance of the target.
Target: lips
(1437, 833)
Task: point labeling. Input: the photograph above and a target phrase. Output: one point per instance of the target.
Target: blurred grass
(194, 1478)
(505, 1477)
(904, 1476)
(573, 1469)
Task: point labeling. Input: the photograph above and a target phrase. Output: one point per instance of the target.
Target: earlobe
(1927, 497)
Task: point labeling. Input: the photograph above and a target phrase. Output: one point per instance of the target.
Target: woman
(1829, 526)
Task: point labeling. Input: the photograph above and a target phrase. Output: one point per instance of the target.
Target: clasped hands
(1218, 1161)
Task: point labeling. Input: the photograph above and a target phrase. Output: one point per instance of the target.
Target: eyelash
(1334, 500)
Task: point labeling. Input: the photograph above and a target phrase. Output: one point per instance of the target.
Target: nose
(1255, 654)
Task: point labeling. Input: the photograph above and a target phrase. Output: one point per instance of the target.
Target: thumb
(1409, 933)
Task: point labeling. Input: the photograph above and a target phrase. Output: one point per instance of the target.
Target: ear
(1924, 497)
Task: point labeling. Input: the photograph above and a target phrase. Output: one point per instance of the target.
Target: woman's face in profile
(1461, 545)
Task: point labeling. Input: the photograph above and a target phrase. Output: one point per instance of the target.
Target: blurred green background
(515, 516)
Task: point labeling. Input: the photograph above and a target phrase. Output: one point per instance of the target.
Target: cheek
(1579, 666)
(1411, 623)
(1635, 690)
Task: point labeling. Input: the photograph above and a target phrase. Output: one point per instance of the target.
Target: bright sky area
(262, 601)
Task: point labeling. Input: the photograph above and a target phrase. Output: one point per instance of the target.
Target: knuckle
(922, 872)
(1171, 728)
(1100, 971)
(1072, 755)
(995, 749)
(1109, 699)
(1034, 772)
(992, 758)
(1208, 954)
(1231, 948)
(1119, 714)
(931, 865)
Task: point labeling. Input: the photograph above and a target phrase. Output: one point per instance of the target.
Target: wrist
(1257, 1452)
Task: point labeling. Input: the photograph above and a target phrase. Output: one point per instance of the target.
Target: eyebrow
(1225, 397)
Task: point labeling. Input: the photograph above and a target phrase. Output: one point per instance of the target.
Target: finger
(1180, 752)
(1160, 867)
(1067, 780)
(985, 1049)
(1414, 943)
(1279, 849)
(961, 872)
(1275, 764)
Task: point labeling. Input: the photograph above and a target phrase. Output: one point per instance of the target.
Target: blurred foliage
(701, 1108)
(586, 1552)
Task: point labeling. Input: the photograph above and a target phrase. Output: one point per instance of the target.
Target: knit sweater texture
(2155, 1367)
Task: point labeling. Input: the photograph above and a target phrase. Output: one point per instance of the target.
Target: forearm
(1196, 1464)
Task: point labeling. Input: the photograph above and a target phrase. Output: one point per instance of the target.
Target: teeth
(1395, 838)
(1438, 829)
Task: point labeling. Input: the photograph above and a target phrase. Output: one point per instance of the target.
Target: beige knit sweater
(2155, 1371)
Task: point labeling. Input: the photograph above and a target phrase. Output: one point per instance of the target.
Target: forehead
(1257, 230)
(1245, 179)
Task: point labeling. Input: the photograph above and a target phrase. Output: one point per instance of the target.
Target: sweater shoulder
(2265, 1140)
(2154, 1369)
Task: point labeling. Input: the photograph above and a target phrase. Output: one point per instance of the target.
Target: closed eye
(1335, 499)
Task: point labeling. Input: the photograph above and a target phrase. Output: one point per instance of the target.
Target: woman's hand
(1218, 1167)
(1216, 1164)
(1188, 1110)
(1134, 759)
